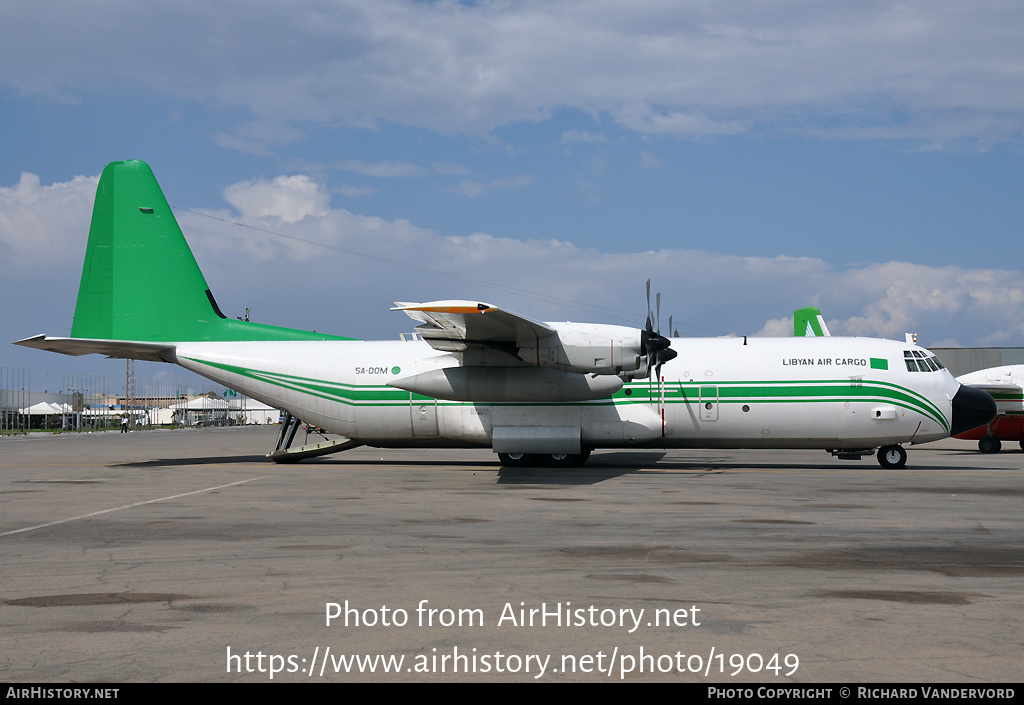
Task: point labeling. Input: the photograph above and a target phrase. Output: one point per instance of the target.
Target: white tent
(203, 411)
(254, 412)
(45, 408)
(202, 404)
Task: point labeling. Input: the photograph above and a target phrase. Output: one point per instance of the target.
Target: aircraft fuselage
(832, 393)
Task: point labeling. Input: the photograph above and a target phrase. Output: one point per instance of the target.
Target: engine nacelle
(641, 372)
(586, 348)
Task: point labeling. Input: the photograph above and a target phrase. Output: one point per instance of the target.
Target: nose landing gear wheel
(892, 457)
(989, 444)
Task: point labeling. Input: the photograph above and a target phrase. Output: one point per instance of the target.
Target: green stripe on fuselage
(789, 391)
(774, 392)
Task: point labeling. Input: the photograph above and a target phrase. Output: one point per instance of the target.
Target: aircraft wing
(457, 325)
(584, 348)
(117, 349)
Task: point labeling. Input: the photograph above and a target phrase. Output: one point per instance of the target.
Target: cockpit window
(918, 361)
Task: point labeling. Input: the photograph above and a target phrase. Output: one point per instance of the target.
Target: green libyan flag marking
(878, 363)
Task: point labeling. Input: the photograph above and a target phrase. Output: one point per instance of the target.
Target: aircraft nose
(971, 408)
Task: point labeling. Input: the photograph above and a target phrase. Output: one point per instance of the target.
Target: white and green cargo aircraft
(477, 375)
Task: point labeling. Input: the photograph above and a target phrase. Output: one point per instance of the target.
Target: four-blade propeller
(656, 346)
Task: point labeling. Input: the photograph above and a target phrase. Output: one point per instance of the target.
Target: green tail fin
(808, 322)
(140, 280)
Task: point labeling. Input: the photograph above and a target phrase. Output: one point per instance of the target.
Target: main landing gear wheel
(892, 457)
(558, 460)
(566, 460)
(989, 444)
(516, 460)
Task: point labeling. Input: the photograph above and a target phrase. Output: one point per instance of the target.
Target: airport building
(86, 404)
(960, 361)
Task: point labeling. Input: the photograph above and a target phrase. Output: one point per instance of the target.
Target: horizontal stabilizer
(118, 349)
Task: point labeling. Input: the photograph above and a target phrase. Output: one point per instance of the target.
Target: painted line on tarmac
(129, 506)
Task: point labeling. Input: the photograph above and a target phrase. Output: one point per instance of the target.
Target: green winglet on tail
(808, 322)
(140, 280)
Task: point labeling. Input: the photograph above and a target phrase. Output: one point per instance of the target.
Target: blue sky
(546, 157)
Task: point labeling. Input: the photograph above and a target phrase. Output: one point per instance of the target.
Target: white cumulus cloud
(45, 224)
(287, 198)
(925, 70)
